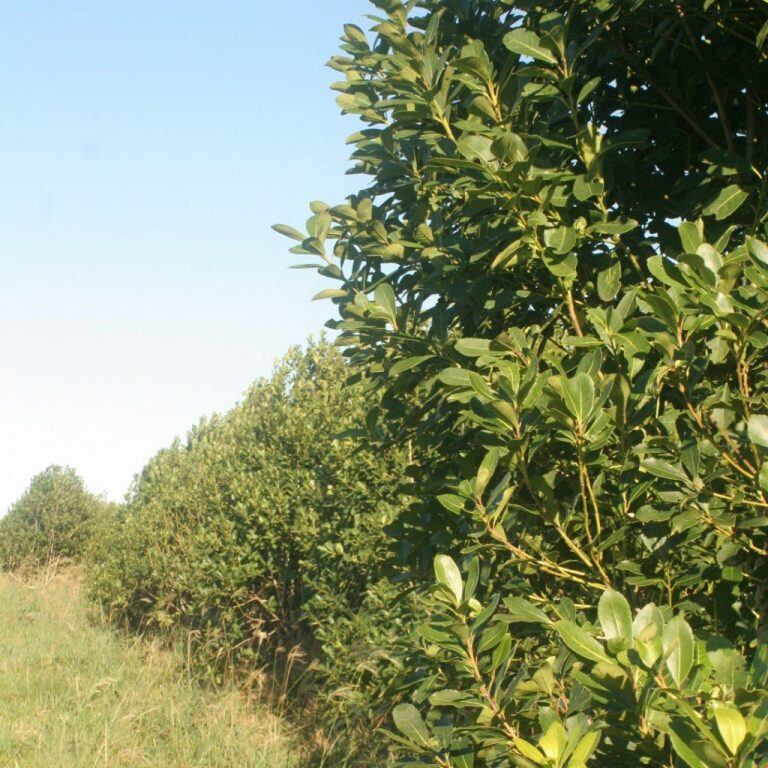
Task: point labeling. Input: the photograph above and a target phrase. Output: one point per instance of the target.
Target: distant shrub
(263, 532)
(54, 518)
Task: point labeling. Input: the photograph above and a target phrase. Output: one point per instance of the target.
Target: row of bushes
(262, 534)
(556, 281)
(259, 540)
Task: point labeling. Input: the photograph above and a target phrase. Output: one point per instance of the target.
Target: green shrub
(263, 532)
(54, 518)
(557, 275)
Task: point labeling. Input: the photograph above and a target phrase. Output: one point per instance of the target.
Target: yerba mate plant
(556, 274)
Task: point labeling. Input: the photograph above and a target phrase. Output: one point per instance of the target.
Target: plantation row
(542, 540)
(257, 542)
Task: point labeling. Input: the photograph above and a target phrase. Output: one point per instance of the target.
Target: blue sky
(145, 150)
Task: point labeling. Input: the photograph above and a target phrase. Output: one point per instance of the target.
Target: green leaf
(524, 612)
(588, 88)
(762, 35)
(615, 616)
(727, 201)
(648, 640)
(561, 266)
(757, 428)
(409, 722)
(679, 648)
(581, 642)
(526, 749)
(462, 753)
(454, 377)
(619, 226)
(661, 468)
(453, 698)
(579, 395)
(330, 293)
(763, 477)
(407, 363)
(758, 249)
(284, 229)
(452, 502)
(476, 147)
(609, 282)
(730, 724)
(553, 742)
(680, 745)
(448, 574)
(758, 670)
(691, 235)
(585, 748)
(485, 472)
(384, 296)
(561, 239)
(528, 43)
(473, 347)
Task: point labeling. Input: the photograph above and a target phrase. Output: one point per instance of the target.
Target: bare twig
(665, 94)
(717, 95)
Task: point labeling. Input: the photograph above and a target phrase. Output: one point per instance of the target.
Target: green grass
(74, 694)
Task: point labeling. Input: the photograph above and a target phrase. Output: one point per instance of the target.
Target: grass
(74, 694)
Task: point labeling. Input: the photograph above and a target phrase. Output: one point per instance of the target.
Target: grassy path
(74, 695)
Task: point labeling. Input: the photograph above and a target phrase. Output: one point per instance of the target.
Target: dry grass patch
(73, 694)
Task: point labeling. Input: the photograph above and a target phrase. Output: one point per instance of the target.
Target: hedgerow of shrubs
(54, 519)
(262, 533)
(556, 275)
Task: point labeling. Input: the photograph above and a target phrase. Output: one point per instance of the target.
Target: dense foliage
(262, 533)
(55, 518)
(557, 277)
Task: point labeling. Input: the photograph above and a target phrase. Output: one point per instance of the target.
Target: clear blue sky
(145, 150)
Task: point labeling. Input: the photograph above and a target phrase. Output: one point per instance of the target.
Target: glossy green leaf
(384, 296)
(615, 616)
(757, 427)
(727, 202)
(528, 43)
(561, 240)
(579, 395)
(730, 724)
(409, 722)
(284, 229)
(580, 641)
(609, 282)
(448, 574)
(525, 612)
(678, 645)
(664, 469)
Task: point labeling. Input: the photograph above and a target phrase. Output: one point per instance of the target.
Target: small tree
(54, 518)
(558, 276)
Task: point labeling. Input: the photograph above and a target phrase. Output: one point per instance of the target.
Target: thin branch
(751, 124)
(718, 96)
(666, 95)
(572, 312)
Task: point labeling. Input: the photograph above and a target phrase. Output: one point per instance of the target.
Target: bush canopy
(259, 540)
(555, 273)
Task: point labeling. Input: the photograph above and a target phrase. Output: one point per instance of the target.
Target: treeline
(257, 542)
